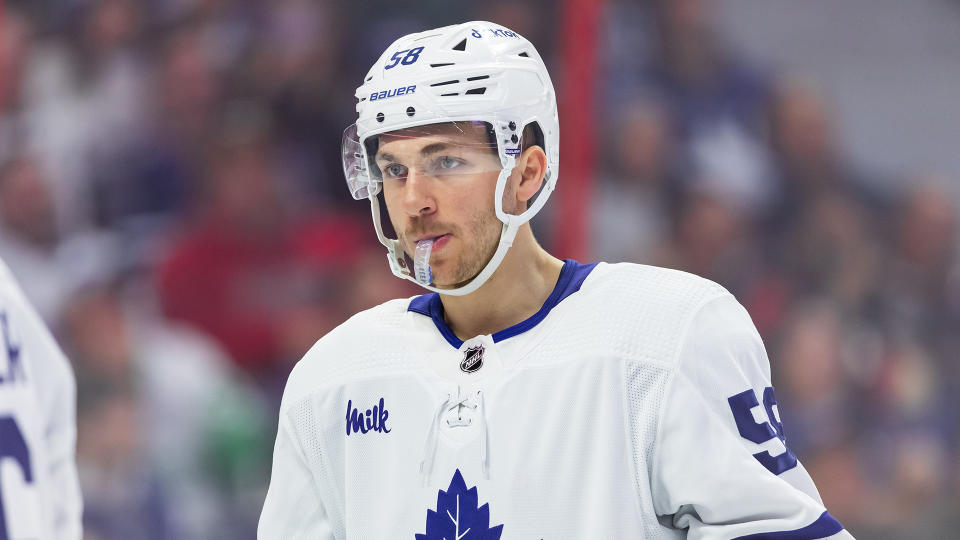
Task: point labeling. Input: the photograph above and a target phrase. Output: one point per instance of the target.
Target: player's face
(441, 186)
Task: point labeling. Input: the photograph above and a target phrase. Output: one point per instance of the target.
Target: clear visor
(355, 165)
(440, 150)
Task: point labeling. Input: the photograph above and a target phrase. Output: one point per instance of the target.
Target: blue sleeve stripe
(823, 527)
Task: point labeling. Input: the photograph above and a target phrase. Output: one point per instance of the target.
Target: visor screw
(411, 111)
(513, 138)
(379, 117)
(512, 126)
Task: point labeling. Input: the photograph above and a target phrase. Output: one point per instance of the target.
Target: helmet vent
(478, 77)
(462, 46)
(524, 54)
(444, 83)
(448, 95)
(441, 65)
(475, 91)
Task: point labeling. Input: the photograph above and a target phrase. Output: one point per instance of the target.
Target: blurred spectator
(713, 101)
(292, 71)
(820, 234)
(144, 176)
(14, 43)
(83, 102)
(731, 164)
(808, 161)
(919, 293)
(908, 494)
(630, 201)
(111, 75)
(714, 98)
(263, 282)
(189, 88)
(122, 493)
(832, 250)
(49, 265)
(815, 401)
(697, 72)
(842, 482)
(27, 210)
(191, 431)
(920, 300)
(710, 238)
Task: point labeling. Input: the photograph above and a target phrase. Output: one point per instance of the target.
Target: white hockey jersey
(39, 490)
(636, 403)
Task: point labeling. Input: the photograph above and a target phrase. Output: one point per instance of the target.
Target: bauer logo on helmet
(384, 94)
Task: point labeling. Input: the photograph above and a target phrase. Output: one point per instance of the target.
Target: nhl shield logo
(472, 359)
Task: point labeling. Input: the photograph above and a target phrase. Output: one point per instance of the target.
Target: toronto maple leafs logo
(458, 516)
(472, 359)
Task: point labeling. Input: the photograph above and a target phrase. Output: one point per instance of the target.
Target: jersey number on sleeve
(760, 432)
(13, 445)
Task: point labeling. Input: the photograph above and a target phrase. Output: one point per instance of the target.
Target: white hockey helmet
(475, 72)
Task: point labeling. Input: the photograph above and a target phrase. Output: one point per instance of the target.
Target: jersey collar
(571, 277)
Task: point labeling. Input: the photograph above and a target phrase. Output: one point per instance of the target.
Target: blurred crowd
(172, 201)
(737, 174)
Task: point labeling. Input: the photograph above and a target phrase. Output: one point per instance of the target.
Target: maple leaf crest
(458, 516)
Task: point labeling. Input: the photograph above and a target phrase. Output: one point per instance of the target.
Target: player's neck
(516, 291)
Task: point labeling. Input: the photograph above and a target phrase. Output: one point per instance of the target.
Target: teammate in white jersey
(525, 397)
(39, 491)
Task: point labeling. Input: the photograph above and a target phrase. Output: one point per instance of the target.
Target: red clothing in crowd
(244, 290)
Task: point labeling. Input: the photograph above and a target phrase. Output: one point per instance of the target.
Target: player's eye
(447, 164)
(394, 170)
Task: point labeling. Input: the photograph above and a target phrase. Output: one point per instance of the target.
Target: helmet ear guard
(473, 72)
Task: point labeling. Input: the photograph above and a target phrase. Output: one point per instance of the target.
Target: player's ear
(532, 166)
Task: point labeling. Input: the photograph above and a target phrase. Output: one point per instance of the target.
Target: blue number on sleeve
(13, 445)
(741, 404)
(769, 400)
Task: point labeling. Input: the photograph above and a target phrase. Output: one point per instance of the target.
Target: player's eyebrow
(425, 151)
(433, 148)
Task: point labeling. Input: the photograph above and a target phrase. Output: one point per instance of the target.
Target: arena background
(172, 201)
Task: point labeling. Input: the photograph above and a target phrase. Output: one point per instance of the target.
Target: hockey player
(39, 491)
(524, 397)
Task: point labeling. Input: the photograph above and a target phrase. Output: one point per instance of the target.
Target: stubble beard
(485, 232)
(476, 249)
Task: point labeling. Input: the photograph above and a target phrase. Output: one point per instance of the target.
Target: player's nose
(418, 196)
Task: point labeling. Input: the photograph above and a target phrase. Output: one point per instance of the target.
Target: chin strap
(507, 235)
(400, 268)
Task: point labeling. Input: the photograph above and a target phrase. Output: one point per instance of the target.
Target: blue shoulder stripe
(823, 527)
(571, 278)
